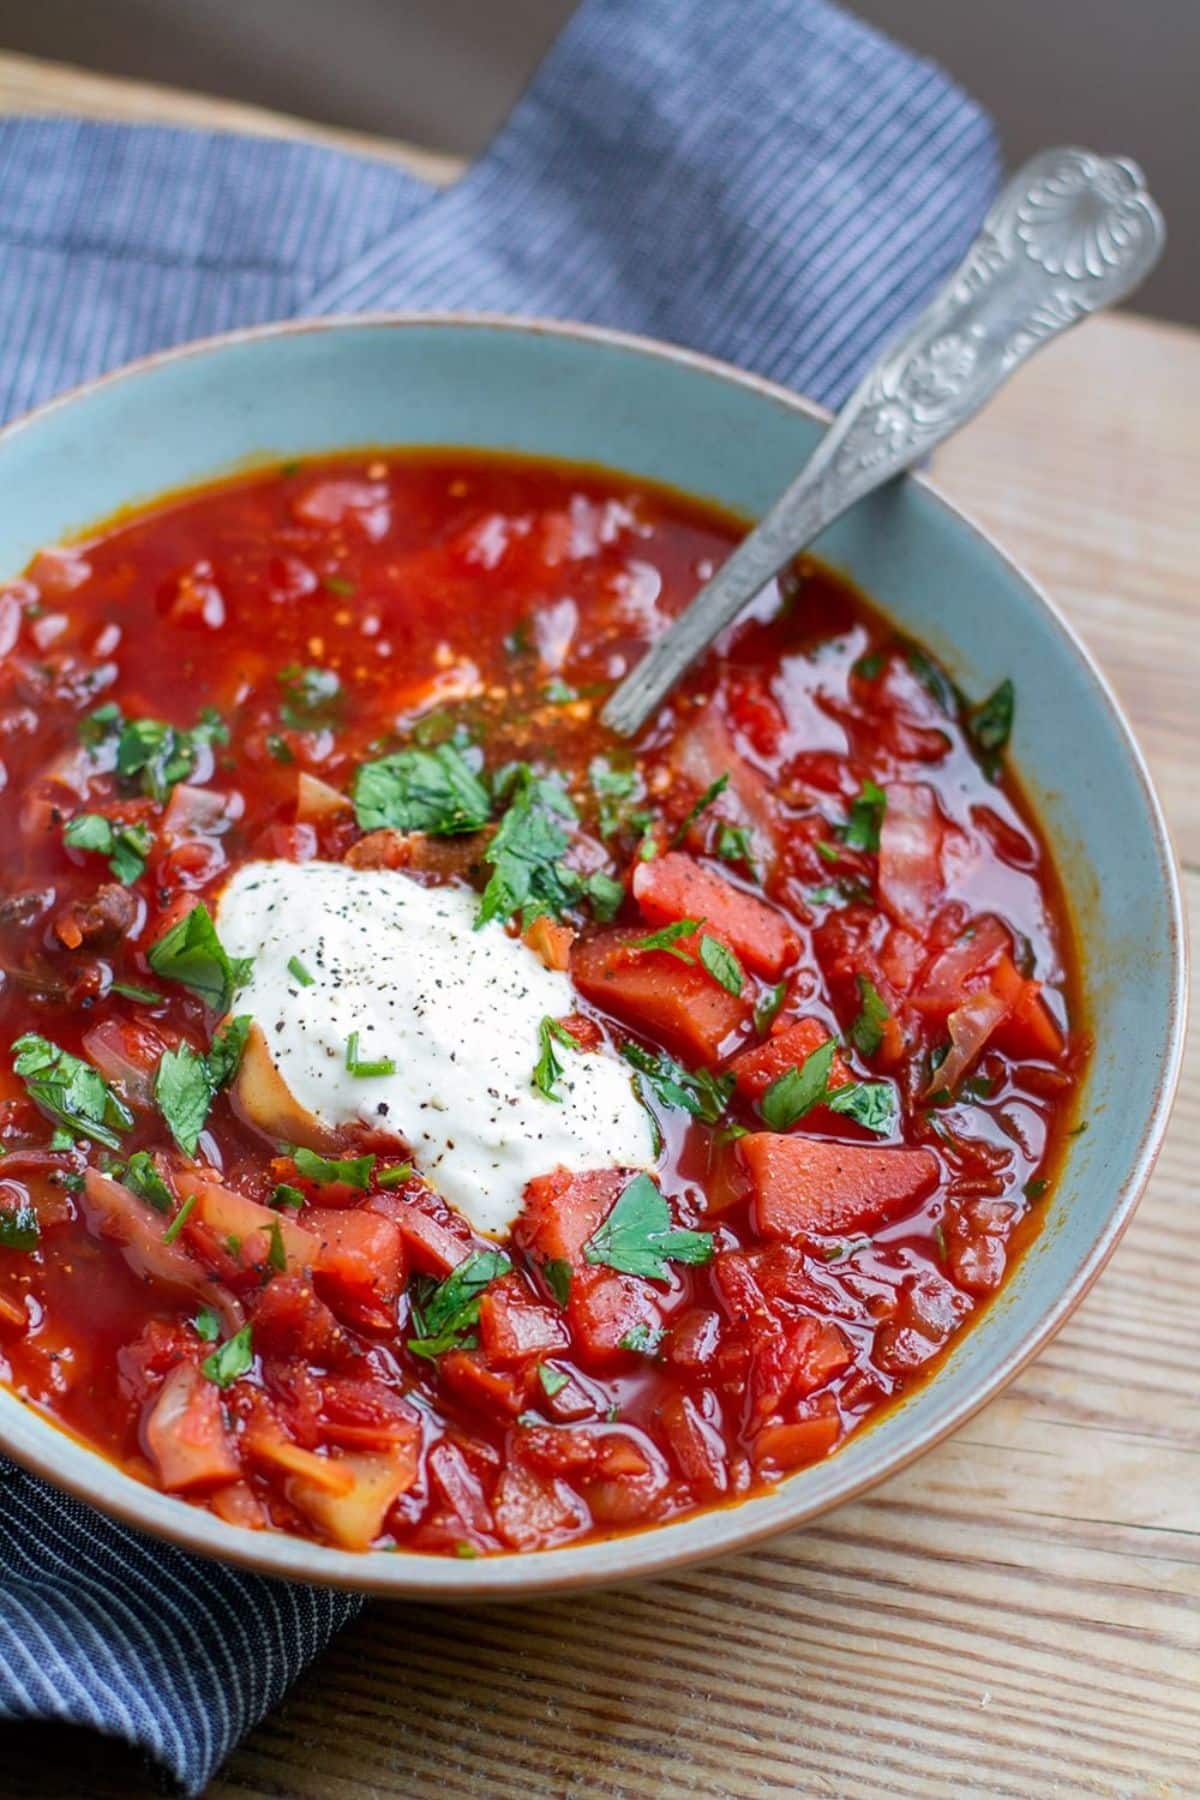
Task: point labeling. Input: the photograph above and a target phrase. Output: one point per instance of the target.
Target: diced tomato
(512, 1328)
(360, 1263)
(780, 1448)
(533, 1513)
(910, 852)
(436, 1238)
(492, 1391)
(678, 1002)
(696, 1443)
(754, 1070)
(562, 1211)
(944, 983)
(605, 1307)
(255, 1228)
(1028, 1029)
(355, 1519)
(693, 1341)
(185, 1433)
(289, 1320)
(804, 1186)
(460, 1486)
(675, 886)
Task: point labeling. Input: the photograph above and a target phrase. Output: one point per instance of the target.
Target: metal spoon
(1072, 232)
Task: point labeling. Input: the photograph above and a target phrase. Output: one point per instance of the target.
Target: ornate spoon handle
(1071, 233)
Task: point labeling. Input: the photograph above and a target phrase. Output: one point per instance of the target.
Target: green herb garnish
(192, 953)
(207, 1325)
(434, 791)
(702, 805)
(125, 845)
(286, 1195)
(866, 1033)
(528, 875)
(144, 996)
(19, 1228)
(557, 1275)
(366, 1068)
(766, 1010)
(989, 725)
(443, 1319)
(395, 1176)
(70, 1091)
(180, 1220)
(735, 844)
(232, 1359)
(862, 827)
(553, 1380)
(547, 1070)
(183, 1094)
(309, 697)
(298, 972)
(141, 1174)
(667, 938)
(798, 1089)
(700, 1093)
(722, 965)
(353, 1171)
(638, 1238)
(642, 1338)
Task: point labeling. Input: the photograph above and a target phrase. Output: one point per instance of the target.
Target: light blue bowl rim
(38, 1444)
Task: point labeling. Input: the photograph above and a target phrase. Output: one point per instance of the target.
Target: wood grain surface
(1019, 1613)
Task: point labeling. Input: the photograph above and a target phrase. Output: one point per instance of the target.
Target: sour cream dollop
(458, 1011)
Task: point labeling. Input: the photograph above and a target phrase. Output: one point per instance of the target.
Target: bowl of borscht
(450, 1150)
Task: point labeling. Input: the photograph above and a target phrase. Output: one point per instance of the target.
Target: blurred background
(443, 73)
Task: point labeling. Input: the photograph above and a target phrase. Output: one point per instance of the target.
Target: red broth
(857, 1031)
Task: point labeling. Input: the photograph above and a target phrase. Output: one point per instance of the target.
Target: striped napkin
(767, 180)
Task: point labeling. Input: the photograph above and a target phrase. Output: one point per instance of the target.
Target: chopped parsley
(143, 996)
(19, 1228)
(152, 755)
(697, 1091)
(702, 805)
(735, 844)
(611, 787)
(276, 1254)
(667, 938)
(339, 585)
(638, 1238)
(1033, 1190)
(868, 667)
(606, 894)
(187, 1081)
(444, 1317)
(141, 1174)
(435, 791)
(559, 692)
(642, 1338)
(862, 827)
(286, 1195)
(553, 1380)
(353, 1171)
(557, 1275)
(230, 1360)
(183, 1094)
(366, 1067)
(989, 725)
(766, 1010)
(547, 1070)
(192, 953)
(866, 1033)
(207, 1325)
(798, 1089)
(180, 1220)
(298, 972)
(528, 875)
(933, 679)
(722, 964)
(395, 1176)
(125, 845)
(70, 1091)
(309, 697)
(871, 1104)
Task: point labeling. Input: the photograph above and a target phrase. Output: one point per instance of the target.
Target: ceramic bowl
(654, 411)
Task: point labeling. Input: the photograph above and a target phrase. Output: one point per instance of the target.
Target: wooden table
(1018, 1614)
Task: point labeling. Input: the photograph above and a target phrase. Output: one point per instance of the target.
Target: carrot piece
(803, 1186)
(677, 1002)
(1029, 1029)
(778, 1448)
(754, 1070)
(675, 886)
